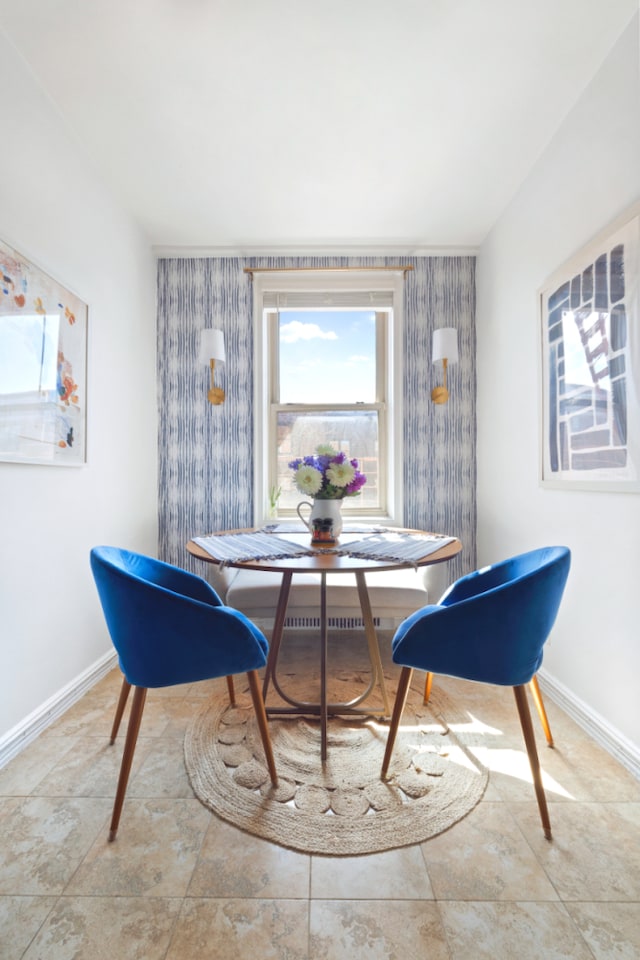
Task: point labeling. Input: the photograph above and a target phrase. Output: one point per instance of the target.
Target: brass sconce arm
(441, 394)
(445, 348)
(212, 349)
(215, 394)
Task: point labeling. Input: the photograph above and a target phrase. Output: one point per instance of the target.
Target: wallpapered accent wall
(205, 452)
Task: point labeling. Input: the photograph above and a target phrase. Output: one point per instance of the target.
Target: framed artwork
(43, 366)
(590, 365)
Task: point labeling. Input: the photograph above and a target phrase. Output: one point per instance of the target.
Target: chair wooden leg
(401, 698)
(530, 742)
(232, 692)
(122, 702)
(428, 680)
(263, 726)
(139, 697)
(542, 713)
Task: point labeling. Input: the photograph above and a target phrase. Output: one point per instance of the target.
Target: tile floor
(179, 884)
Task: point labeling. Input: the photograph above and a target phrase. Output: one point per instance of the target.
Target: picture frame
(43, 366)
(590, 365)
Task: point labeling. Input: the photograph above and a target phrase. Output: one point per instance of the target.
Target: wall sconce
(445, 348)
(212, 349)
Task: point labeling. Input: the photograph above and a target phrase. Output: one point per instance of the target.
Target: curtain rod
(252, 270)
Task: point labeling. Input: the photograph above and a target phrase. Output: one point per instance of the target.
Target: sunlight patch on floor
(515, 763)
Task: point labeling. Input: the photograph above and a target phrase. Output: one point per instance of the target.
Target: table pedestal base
(323, 709)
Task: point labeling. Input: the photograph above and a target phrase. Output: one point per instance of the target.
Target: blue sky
(327, 355)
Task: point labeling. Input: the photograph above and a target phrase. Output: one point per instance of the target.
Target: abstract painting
(591, 365)
(43, 359)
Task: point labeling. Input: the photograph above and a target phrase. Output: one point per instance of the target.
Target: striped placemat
(400, 547)
(241, 547)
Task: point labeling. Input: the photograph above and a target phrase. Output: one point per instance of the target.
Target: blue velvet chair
(170, 627)
(490, 626)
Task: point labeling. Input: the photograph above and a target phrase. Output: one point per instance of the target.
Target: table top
(320, 560)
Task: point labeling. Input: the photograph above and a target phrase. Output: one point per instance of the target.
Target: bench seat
(393, 594)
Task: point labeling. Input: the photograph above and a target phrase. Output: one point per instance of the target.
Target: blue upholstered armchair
(490, 626)
(169, 627)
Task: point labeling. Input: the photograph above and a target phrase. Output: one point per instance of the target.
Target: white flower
(308, 479)
(340, 474)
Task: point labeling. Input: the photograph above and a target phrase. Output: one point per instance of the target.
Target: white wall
(54, 210)
(586, 177)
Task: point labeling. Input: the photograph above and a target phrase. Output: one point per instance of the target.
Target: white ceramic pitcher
(325, 519)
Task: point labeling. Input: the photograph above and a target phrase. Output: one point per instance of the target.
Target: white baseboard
(614, 742)
(13, 742)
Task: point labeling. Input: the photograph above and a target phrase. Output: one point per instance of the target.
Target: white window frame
(324, 282)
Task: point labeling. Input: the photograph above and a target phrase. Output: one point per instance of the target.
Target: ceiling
(256, 125)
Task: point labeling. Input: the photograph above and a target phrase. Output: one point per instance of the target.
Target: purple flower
(334, 468)
(356, 484)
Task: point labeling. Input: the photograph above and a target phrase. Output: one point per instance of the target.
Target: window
(328, 371)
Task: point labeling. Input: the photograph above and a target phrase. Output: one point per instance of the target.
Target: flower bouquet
(327, 475)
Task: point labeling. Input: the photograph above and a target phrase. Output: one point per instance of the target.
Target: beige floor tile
(166, 714)
(241, 930)
(180, 884)
(154, 854)
(595, 851)
(511, 777)
(377, 930)
(20, 920)
(43, 840)
(495, 707)
(485, 857)
(393, 875)
(90, 769)
(162, 772)
(604, 777)
(159, 713)
(183, 713)
(573, 770)
(461, 701)
(563, 727)
(528, 931)
(87, 716)
(612, 930)
(111, 928)
(629, 814)
(236, 864)
(107, 685)
(22, 775)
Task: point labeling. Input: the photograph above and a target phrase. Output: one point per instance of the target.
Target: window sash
(341, 289)
(349, 505)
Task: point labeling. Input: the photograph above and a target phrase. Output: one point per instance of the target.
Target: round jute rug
(342, 808)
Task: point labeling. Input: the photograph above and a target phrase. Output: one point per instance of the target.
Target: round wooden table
(322, 562)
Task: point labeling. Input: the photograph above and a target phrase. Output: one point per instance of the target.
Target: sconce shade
(445, 345)
(211, 346)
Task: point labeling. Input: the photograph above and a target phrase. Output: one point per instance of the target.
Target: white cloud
(295, 330)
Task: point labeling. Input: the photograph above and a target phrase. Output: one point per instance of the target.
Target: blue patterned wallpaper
(205, 452)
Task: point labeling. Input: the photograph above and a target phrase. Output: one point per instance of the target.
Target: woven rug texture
(341, 808)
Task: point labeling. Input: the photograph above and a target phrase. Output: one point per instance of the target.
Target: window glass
(327, 356)
(352, 432)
